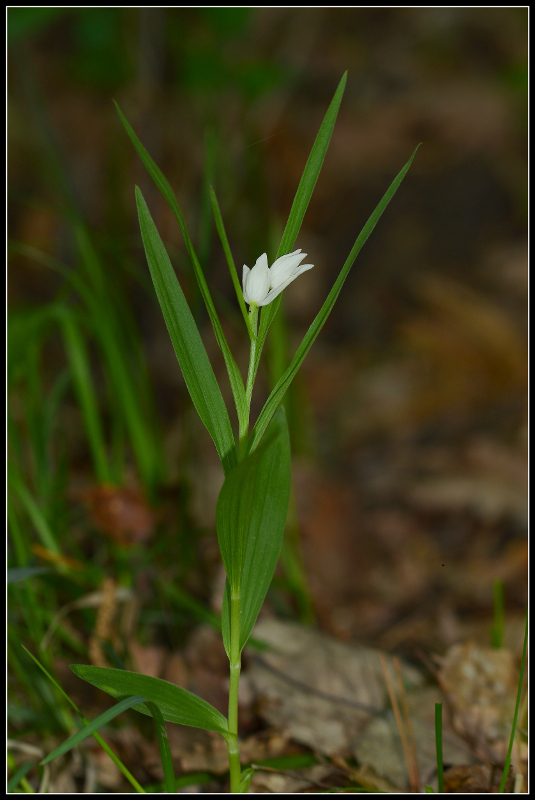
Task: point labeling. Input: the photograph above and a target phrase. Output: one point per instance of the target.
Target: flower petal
(284, 266)
(256, 281)
(276, 290)
(246, 271)
(262, 261)
(271, 295)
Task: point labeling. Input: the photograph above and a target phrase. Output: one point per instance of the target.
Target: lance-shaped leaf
(301, 201)
(251, 516)
(176, 704)
(278, 392)
(189, 348)
(164, 186)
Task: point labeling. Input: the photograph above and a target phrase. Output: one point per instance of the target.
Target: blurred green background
(409, 417)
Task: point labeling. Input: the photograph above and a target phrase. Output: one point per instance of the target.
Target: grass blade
(105, 310)
(189, 348)
(507, 764)
(40, 523)
(278, 392)
(83, 383)
(125, 393)
(97, 723)
(21, 773)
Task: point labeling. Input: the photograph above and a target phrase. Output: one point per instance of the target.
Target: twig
(408, 723)
(399, 721)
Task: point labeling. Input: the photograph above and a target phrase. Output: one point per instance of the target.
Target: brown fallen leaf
(380, 748)
(480, 684)
(331, 696)
(476, 779)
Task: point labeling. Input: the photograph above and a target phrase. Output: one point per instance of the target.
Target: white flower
(256, 281)
(261, 285)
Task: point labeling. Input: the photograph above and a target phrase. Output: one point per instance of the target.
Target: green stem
(251, 374)
(235, 652)
(235, 667)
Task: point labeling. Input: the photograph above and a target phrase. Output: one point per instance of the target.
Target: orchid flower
(261, 284)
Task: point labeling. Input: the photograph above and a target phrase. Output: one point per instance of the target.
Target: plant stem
(235, 667)
(235, 652)
(251, 374)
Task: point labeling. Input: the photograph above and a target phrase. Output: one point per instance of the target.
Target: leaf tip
(118, 109)
(415, 151)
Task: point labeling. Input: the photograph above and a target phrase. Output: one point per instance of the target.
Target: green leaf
(311, 172)
(34, 511)
(176, 704)
(230, 261)
(164, 186)
(245, 780)
(165, 749)
(234, 512)
(301, 201)
(250, 517)
(21, 773)
(187, 342)
(97, 723)
(278, 392)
